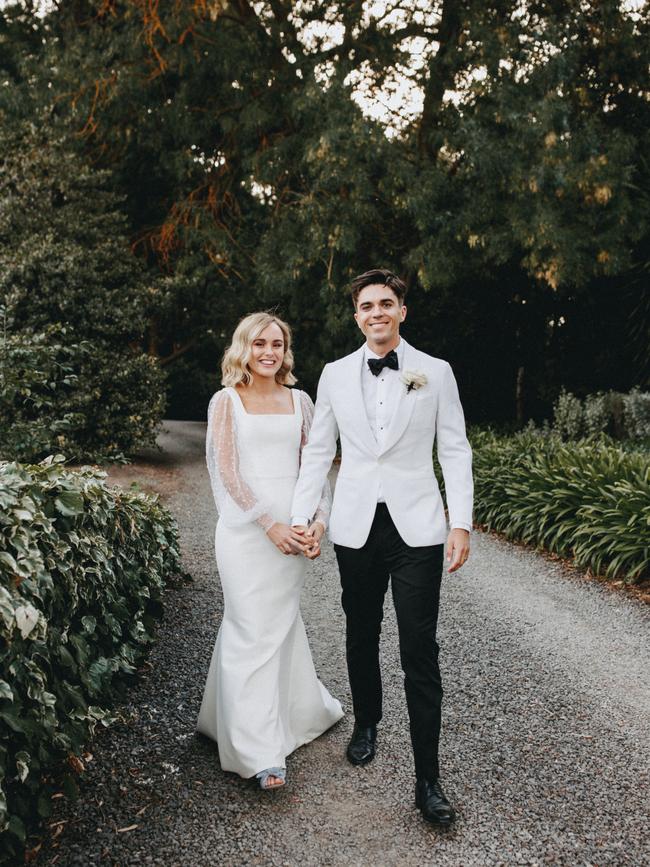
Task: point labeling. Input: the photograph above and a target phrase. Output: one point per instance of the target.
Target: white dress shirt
(380, 395)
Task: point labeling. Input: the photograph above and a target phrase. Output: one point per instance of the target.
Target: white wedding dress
(262, 698)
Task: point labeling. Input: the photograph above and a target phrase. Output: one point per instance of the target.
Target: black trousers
(415, 575)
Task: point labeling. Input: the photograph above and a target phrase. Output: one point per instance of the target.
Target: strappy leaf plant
(589, 500)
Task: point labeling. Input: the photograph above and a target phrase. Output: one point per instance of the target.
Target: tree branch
(177, 352)
(440, 75)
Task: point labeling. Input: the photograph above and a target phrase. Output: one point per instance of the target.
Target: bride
(262, 698)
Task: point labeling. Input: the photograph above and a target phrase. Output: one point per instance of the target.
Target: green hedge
(82, 571)
(83, 399)
(589, 499)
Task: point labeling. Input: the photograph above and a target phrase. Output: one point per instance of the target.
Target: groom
(387, 402)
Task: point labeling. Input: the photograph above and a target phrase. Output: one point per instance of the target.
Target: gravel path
(545, 730)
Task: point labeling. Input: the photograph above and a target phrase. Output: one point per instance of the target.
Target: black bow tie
(376, 365)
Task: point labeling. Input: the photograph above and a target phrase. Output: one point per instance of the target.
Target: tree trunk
(519, 396)
(441, 74)
(153, 338)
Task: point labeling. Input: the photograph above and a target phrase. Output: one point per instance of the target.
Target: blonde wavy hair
(234, 365)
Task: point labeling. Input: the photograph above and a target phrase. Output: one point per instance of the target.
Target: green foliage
(75, 311)
(36, 386)
(636, 410)
(622, 416)
(55, 393)
(64, 256)
(251, 176)
(596, 413)
(589, 500)
(568, 416)
(82, 572)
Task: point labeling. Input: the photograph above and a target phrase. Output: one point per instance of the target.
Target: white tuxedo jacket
(404, 466)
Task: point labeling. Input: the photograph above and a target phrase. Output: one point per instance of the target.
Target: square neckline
(267, 414)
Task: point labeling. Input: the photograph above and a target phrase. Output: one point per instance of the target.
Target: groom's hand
(289, 540)
(314, 534)
(457, 548)
(312, 545)
(307, 545)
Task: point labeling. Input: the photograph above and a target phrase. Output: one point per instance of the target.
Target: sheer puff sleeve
(236, 501)
(325, 504)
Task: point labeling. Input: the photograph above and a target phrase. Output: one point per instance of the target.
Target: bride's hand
(286, 539)
(314, 535)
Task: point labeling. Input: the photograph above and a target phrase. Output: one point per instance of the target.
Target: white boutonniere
(413, 379)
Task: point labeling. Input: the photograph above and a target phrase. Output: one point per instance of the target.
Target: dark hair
(381, 277)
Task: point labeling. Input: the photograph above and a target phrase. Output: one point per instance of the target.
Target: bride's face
(267, 352)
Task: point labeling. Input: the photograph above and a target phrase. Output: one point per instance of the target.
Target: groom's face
(379, 315)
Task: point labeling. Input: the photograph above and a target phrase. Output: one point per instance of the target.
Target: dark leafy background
(220, 147)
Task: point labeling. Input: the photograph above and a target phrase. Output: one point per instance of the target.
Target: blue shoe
(279, 773)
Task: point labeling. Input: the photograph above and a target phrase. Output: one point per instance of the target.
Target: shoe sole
(439, 823)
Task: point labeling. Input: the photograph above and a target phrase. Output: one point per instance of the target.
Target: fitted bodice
(270, 443)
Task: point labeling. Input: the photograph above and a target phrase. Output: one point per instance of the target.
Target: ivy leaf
(27, 618)
(44, 804)
(17, 828)
(23, 514)
(69, 503)
(66, 657)
(11, 719)
(8, 561)
(22, 765)
(89, 623)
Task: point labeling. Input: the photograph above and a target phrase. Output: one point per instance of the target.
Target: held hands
(457, 548)
(311, 536)
(315, 532)
(289, 540)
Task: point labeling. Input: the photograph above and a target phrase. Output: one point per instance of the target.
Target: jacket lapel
(405, 403)
(355, 403)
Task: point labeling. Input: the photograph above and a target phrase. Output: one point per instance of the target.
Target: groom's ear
(403, 313)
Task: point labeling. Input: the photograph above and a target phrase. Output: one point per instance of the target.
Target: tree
(64, 261)
(536, 184)
(512, 200)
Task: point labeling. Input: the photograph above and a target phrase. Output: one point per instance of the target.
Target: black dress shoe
(361, 748)
(433, 804)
